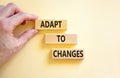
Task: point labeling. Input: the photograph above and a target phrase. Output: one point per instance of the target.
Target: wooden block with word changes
(51, 24)
(60, 38)
(67, 54)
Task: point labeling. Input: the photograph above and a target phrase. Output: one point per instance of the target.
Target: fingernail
(35, 16)
(35, 31)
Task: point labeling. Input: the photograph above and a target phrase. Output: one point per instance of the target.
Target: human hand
(10, 17)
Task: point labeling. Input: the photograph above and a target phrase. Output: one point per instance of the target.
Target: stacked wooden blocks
(58, 38)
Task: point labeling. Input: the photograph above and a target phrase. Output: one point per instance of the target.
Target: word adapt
(51, 24)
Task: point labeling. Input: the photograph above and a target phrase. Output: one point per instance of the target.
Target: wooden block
(61, 39)
(51, 24)
(68, 54)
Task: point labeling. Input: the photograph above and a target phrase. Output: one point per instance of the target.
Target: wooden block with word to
(51, 24)
(61, 39)
(67, 54)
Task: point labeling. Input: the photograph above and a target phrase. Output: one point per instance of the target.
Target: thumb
(26, 36)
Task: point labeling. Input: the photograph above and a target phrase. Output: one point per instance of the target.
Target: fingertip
(10, 3)
(34, 31)
(34, 16)
(23, 38)
(30, 33)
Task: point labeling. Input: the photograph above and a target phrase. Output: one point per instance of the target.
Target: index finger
(10, 10)
(19, 18)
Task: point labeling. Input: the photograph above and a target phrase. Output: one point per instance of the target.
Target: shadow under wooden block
(62, 61)
(51, 31)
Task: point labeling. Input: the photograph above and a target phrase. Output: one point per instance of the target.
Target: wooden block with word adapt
(61, 39)
(51, 24)
(68, 54)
